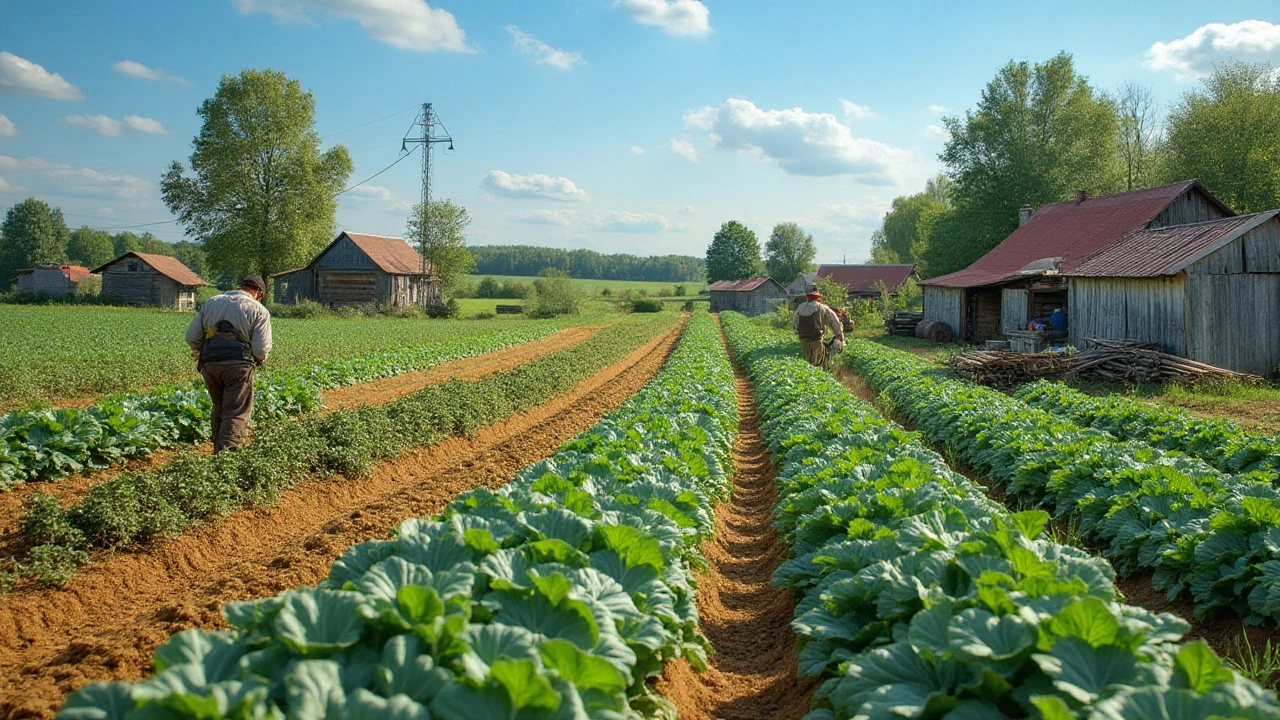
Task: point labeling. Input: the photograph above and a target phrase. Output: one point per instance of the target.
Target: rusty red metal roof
(1070, 230)
(170, 267)
(1166, 250)
(862, 278)
(74, 273)
(392, 254)
(739, 285)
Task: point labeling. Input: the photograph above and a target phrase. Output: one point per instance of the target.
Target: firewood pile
(903, 323)
(1105, 361)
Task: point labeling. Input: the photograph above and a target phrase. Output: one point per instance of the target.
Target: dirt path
(73, 488)
(753, 670)
(108, 620)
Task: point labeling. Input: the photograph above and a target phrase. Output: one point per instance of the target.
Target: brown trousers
(815, 353)
(230, 386)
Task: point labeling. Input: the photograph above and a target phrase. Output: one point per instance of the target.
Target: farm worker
(230, 337)
(811, 321)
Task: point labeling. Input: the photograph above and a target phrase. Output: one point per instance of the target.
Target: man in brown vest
(811, 321)
(230, 337)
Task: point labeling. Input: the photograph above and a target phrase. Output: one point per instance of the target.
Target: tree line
(734, 253)
(1041, 132)
(585, 264)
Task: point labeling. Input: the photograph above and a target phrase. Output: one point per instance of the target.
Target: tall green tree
(261, 194)
(734, 253)
(32, 234)
(445, 241)
(788, 252)
(90, 248)
(898, 240)
(1227, 133)
(1038, 134)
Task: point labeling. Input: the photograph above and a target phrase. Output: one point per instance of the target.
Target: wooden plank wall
(295, 286)
(1262, 247)
(133, 287)
(986, 317)
(49, 281)
(946, 305)
(1013, 309)
(1232, 320)
(1190, 207)
(346, 288)
(344, 255)
(1146, 309)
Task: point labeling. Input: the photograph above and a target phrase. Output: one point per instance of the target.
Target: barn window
(133, 266)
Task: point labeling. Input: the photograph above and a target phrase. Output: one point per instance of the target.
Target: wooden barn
(52, 279)
(358, 269)
(861, 279)
(146, 279)
(753, 296)
(800, 284)
(1025, 276)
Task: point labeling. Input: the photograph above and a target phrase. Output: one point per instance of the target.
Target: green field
(593, 287)
(64, 351)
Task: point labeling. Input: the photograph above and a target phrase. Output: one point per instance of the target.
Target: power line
(357, 127)
(397, 162)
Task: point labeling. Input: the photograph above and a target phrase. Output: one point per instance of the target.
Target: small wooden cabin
(146, 279)
(357, 269)
(753, 296)
(52, 279)
(800, 284)
(861, 279)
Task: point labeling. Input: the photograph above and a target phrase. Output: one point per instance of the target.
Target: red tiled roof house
(147, 279)
(1170, 265)
(753, 296)
(358, 269)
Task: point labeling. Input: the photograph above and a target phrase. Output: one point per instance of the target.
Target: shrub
(553, 294)
(605, 292)
(443, 310)
(46, 523)
(679, 290)
(54, 565)
(303, 309)
(645, 305)
(483, 315)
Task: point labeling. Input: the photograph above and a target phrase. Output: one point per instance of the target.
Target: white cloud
(138, 70)
(637, 150)
(7, 128)
(545, 54)
(685, 149)
(801, 143)
(631, 222)
(379, 194)
(937, 109)
(542, 216)
(109, 126)
(534, 186)
(937, 132)
(6, 187)
(57, 178)
(1194, 55)
(856, 111)
(860, 213)
(406, 24)
(678, 18)
(19, 76)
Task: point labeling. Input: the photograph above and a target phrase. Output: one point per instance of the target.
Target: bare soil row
(107, 622)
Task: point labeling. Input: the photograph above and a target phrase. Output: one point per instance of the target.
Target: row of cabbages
(1213, 535)
(554, 597)
(47, 443)
(1218, 441)
(920, 597)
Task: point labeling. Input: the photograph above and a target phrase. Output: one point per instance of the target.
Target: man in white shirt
(230, 337)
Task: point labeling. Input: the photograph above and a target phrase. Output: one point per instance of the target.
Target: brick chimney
(1081, 196)
(1024, 215)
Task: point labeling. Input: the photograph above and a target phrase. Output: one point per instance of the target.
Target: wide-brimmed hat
(813, 290)
(254, 282)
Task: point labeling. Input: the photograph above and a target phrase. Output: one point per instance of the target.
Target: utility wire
(357, 127)
(397, 162)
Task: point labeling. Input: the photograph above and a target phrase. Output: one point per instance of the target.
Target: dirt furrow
(377, 392)
(108, 620)
(753, 671)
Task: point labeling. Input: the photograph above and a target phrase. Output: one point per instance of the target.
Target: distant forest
(586, 264)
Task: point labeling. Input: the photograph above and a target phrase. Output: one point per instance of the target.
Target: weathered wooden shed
(1208, 291)
(359, 269)
(753, 296)
(1024, 277)
(800, 284)
(146, 279)
(861, 279)
(52, 279)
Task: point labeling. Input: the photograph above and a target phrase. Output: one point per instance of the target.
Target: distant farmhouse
(146, 279)
(358, 269)
(1170, 265)
(52, 279)
(861, 279)
(753, 296)
(800, 284)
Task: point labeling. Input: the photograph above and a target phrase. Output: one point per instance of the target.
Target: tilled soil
(107, 622)
(753, 671)
(71, 489)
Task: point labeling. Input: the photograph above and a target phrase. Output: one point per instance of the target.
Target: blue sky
(618, 125)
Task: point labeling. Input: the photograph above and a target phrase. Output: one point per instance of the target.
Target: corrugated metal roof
(170, 267)
(862, 278)
(1166, 250)
(392, 254)
(1071, 230)
(738, 285)
(74, 273)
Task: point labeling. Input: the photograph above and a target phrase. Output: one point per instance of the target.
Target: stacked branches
(1106, 361)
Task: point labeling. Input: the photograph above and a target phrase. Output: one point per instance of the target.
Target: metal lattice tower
(427, 122)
